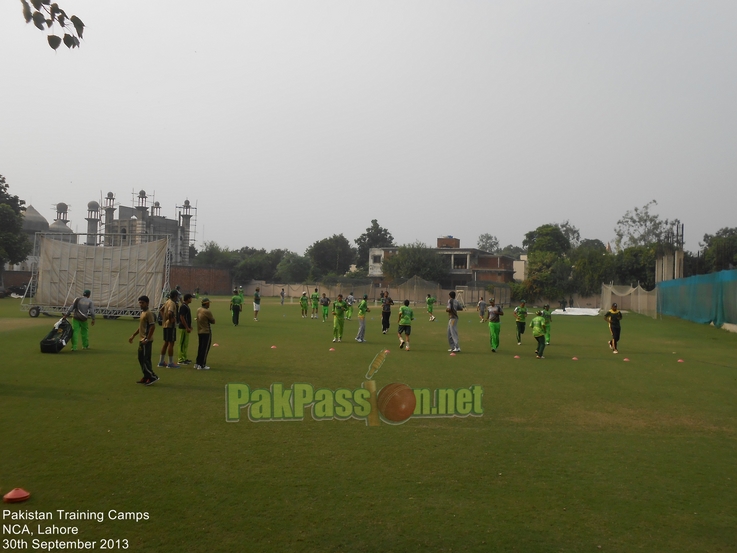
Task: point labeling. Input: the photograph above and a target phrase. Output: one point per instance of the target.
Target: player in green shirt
(256, 303)
(548, 316)
(363, 308)
(406, 316)
(430, 301)
(520, 316)
(315, 300)
(304, 304)
(236, 306)
(339, 308)
(538, 331)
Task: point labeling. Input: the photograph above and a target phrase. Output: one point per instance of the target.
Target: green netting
(703, 298)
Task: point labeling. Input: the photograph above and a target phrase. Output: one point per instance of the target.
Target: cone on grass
(16, 495)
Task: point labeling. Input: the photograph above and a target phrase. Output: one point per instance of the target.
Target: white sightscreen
(116, 275)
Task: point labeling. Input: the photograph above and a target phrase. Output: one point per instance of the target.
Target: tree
(547, 238)
(374, 237)
(636, 265)
(720, 250)
(592, 265)
(331, 255)
(488, 243)
(512, 251)
(14, 244)
(639, 227)
(45, 15)
(258, 265)
(293, 268)
(570, 232)
(548, 275)
(415, 260)
(213, 255)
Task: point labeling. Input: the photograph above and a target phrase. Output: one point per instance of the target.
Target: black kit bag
(59, 337)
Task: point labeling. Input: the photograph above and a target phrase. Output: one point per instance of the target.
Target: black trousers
(385, 320)
(236, 314)
(144, 358)
(203, 348)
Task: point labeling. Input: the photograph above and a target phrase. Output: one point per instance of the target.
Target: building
(466, 266)
(103, 229)
(133, 223)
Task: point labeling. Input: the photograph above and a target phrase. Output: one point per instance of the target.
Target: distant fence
(703, 299)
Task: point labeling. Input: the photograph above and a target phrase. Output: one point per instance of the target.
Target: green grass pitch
(598, 454)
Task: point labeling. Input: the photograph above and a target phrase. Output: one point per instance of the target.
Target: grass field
(597, 454)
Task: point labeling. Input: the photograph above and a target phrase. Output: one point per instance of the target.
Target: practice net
(627, 298)
(703, 299)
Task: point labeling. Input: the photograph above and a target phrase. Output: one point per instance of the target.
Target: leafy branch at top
(44, 15)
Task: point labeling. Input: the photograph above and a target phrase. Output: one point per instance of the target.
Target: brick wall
(216, 282)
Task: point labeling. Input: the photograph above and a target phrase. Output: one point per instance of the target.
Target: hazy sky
(289, 121)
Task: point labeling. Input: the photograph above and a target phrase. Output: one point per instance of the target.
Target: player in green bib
(520, 317)
(430, 301)
(315, 300)
(406, 316)
(538, 331)
(304, 304)
(339, 308)
(548, 316)
(236, 306)
(363, 308)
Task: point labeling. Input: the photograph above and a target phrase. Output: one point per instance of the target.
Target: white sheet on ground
(577, 311)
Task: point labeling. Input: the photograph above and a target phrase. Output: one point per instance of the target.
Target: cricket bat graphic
(370, 385)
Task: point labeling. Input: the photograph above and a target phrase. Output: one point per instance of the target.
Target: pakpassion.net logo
(394, 403)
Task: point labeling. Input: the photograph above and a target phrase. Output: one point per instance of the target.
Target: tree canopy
(547, 238)
(331, 255)
(14, 244)
(375, 237)
(488, 243)
(46, 15)
(639, 227)
(415, 260)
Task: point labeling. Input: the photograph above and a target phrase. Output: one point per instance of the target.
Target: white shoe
(519, 343)
(205, 368)
(334, 340)
(197, 367)
(338, 339)
(451, 349)
(457, 350)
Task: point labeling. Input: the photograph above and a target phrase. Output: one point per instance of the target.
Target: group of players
(176, 312)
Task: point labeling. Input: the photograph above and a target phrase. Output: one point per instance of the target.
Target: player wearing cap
(538, 331)
(613, 317)
(520, 316)
(363, 308)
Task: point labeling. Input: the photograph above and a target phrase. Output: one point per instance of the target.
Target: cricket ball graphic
(396, 403)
